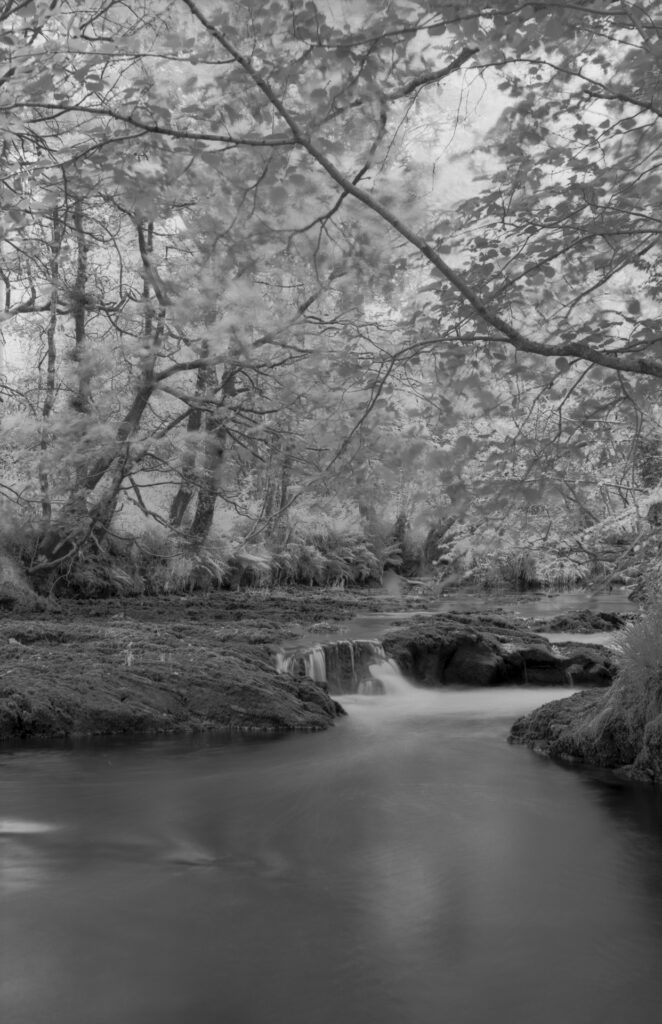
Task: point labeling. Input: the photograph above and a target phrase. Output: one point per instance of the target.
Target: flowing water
(405, 867)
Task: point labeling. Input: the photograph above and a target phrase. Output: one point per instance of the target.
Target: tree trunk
(187, 487)
(51, 362)
(81, 400)
(215, 440)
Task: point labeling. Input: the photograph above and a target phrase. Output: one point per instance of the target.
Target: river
(406, 867)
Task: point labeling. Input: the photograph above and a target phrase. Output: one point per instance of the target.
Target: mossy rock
(473, 650)
(122, 676)
(618, 728)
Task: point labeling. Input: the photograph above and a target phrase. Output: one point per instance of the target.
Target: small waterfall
(347, 666)
(316, 664)
(311, 663)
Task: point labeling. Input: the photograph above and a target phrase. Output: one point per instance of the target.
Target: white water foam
(391, 678)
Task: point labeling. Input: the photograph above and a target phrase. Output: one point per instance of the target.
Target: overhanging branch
(511, 334)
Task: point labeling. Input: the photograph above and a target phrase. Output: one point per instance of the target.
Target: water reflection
(406, 866)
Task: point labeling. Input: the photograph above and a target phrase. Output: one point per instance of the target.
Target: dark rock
(474, 650)
(473, 662)
(588, 664)
(540, 666)
(584, 621)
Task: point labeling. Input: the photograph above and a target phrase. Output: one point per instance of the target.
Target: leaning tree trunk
(77, 523)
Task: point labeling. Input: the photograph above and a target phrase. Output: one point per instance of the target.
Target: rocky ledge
(483, 650)
(67, 676)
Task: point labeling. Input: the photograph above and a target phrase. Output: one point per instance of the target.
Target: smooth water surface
(406, 867)
(522, 606)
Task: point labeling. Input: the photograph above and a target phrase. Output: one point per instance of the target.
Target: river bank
(171, 664)
(619, 728)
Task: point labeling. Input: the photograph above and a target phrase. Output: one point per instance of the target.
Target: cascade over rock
(345, 666)
(462, 649)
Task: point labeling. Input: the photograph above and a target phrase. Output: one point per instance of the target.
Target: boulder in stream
(474, 650)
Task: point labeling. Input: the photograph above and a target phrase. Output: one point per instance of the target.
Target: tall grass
(639, 649)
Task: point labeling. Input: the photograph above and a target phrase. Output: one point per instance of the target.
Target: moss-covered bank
(158, 666)
(619, 728)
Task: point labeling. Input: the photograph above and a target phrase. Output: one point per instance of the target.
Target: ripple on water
(17, 827)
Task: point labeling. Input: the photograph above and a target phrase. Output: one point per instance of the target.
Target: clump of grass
(639, 649)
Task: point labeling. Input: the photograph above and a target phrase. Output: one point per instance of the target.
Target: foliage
(232, 280)
(521, 569)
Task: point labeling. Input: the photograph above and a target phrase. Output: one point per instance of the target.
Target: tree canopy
(385, 263)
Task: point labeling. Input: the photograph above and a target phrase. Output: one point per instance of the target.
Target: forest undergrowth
(153, 561)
